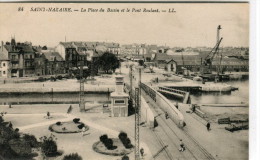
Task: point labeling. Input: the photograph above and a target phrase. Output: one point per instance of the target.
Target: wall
(174, 114)
(60, 49)
(147, 114)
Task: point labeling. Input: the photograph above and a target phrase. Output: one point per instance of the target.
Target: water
(238, 96)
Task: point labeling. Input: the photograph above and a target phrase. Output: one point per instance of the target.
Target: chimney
(119, 84)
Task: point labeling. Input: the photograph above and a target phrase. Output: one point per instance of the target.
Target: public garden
(33, 120)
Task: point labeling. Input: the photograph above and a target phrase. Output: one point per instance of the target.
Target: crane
(206, 66)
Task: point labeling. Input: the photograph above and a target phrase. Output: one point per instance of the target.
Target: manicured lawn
(67, 127)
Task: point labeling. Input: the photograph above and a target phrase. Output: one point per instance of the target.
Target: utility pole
(131, 80)
(137, 122)
(137, 115)
(81, 93)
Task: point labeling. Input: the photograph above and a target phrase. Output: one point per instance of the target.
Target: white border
(254, 147)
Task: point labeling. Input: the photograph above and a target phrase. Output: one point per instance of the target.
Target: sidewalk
(220, 143)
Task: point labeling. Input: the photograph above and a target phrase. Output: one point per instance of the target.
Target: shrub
(76, 120)
(8, 133)
(16, 130)
(59, 77)
(49, 145)
(122, 135)
(31, 139)
(103, 138)
(125, 140)
(81, 126)
(125, 157)
(53, 78)
(72, 156)
(20, 147)
(109, 144)
(7, 152)
(41, 79)
(58, 123)
(128, 144)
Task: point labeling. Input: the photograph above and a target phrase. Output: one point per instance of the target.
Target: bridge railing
(173, 90)
(165, 105)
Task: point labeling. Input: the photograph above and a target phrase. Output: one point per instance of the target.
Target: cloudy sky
(191, 25)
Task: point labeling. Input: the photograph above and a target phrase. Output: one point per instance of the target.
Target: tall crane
(206, 67)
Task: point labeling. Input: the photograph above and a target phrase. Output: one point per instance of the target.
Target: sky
(192, 25)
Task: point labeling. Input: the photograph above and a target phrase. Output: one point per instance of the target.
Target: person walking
(69, 110)
(182, 147)
(142, 152)
(177, 105)
(193, 108)
(48, 115)
(166, 115)
(208, 126)
(83, 130)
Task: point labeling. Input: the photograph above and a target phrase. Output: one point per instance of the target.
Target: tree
(44, 48)
(108, 61)
(49, 145)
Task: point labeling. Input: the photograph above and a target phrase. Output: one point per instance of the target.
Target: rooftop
(53, 55)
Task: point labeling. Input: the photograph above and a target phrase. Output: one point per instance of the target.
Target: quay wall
(174, 114)
(87, 89)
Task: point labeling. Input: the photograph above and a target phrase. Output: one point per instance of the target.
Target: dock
(225, 105)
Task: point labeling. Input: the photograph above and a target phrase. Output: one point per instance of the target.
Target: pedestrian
(48, 114)
(193, 108)
(10, 106)
(142, 152)
(177, 105)
(83, 130)
(69, 110)
(182, 147)
(208, 126)
(166, 115)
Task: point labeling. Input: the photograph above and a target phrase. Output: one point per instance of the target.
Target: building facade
(21, 56)
(4, 63)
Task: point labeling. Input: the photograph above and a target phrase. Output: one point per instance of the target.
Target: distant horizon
(33, 44)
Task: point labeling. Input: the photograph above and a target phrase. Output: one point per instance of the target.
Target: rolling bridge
(176, 93)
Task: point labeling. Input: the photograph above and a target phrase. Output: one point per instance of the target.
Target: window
(13, 56)
(3, 72)
(30, 56)
(120, 101)
(3, 64)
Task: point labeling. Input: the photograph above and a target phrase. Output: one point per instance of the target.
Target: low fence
(174, 114)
